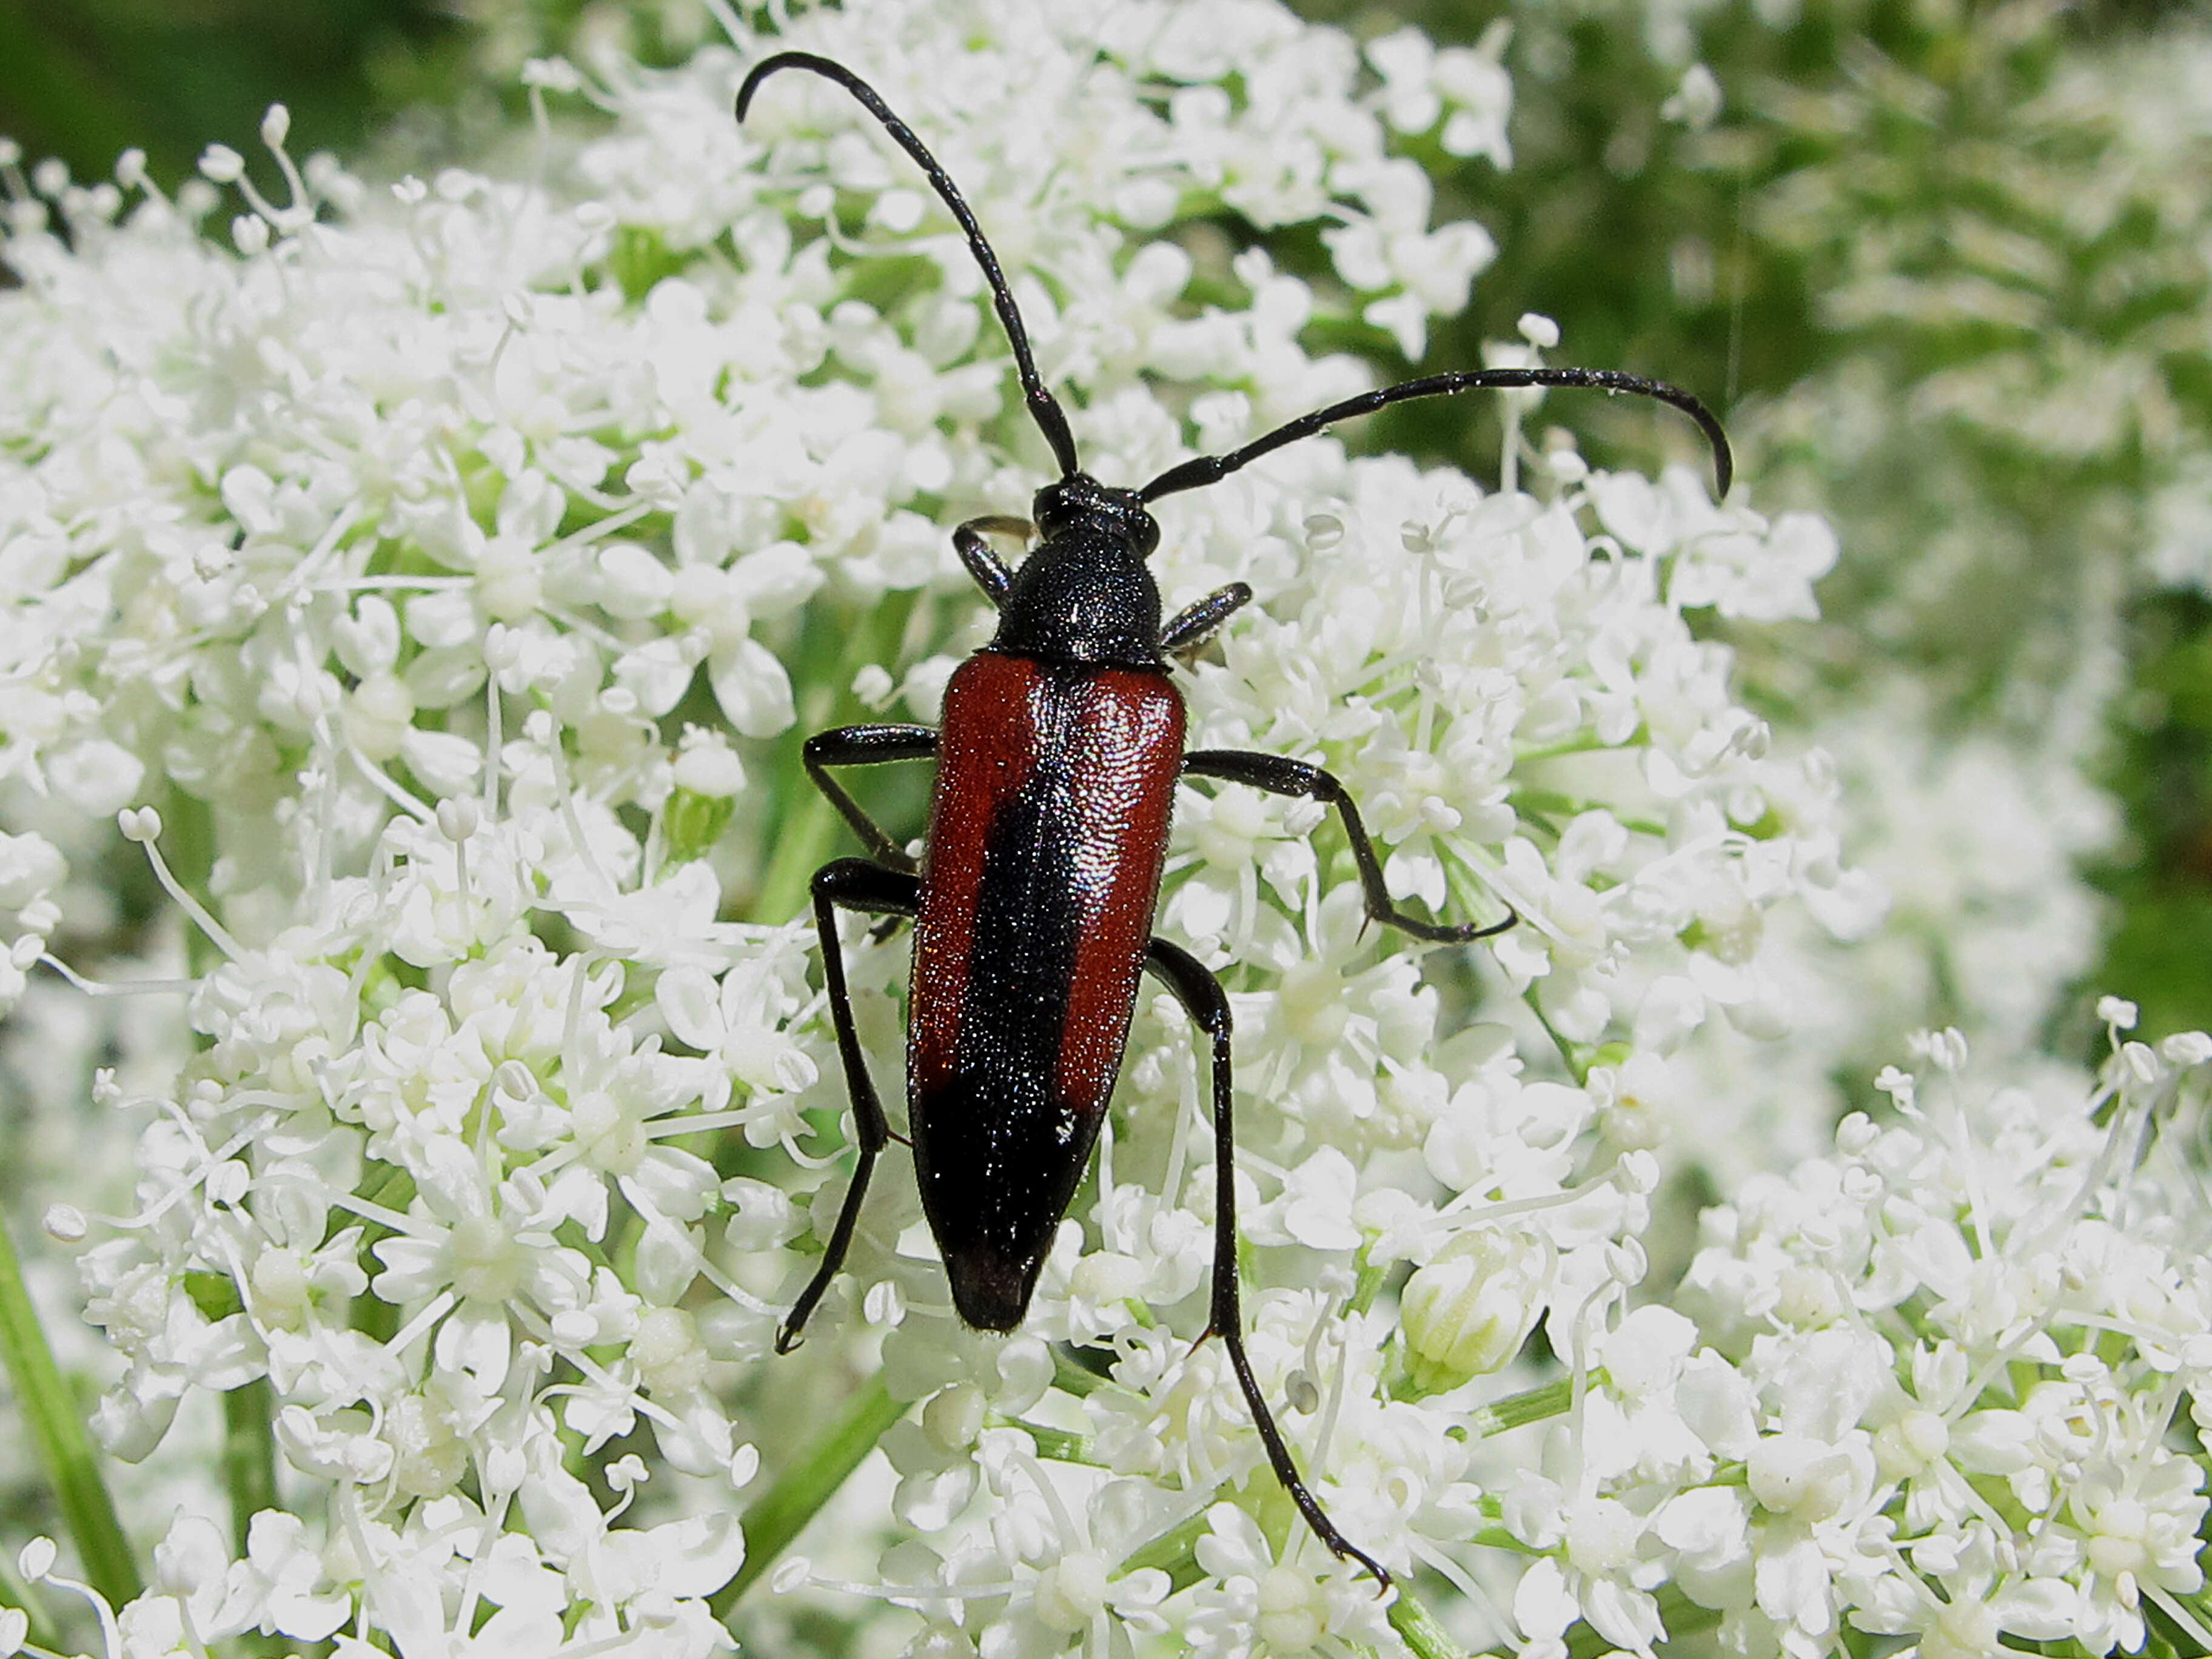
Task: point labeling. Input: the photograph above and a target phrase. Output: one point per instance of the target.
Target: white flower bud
(1696, 103)
(666, 1351)
(30, 866)
(553, 74)
(2186, 1048)
(873, 686)
(507, 585)
(2141, 1060)
(790, 1573)
(884, 1304)
(1602, 1536)
(1797, 1475)
(954, 1417)
(744, 1466)
(380, 715)
(1539, 331)
(1293, 1611)
(460, 816)
(1915, 1443)
(1072, 1591)
(571, 1328)
(1468, 1311)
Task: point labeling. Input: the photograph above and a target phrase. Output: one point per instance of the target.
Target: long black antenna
(1206, 469)
(1043, 408)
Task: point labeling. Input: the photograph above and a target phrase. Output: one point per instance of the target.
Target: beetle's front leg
(1280, 776)
(988, 569)
(849, 885)
(1204, 1000)
(1195, 625)
(866, 746)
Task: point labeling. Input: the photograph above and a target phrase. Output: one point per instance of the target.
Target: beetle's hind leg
(1205, 1001)
(849, 885)
(1278, 776)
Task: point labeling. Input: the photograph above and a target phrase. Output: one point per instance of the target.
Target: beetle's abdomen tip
(991, 1292)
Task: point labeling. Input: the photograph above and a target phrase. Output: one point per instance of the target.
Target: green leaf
(71, 1463)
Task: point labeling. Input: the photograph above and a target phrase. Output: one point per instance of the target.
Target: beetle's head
(1079, 501)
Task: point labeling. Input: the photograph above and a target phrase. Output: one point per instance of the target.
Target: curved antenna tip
(768, 66)
(1723, 460)
(1044, 408)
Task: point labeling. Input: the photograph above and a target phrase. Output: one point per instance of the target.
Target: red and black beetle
(1057, 763)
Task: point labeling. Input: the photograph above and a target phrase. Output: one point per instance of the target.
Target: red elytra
(1046, 846)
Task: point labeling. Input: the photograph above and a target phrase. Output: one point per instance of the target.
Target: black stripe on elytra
(1002, 1154)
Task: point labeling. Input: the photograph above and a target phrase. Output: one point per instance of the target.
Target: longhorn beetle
(1057, 761)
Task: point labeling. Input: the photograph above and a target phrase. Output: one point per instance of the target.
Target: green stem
(1372, 1277)
(1070, 1376)
(1421, 1633)
(249, 1454)
(1578, 1068)
(1174, 1554)
(1055, 1445)
(802, 846)
(71, 1461)
(1533, 1405)
(188, 844)
(807, 826)
(1582, 745)
(782, 1513)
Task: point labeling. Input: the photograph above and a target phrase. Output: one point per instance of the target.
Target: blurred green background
(1863, 142)
(86, 79)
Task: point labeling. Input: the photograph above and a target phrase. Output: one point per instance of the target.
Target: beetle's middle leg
(849, 885)
(866, 746)
(1204, 1000)
(1278, 776)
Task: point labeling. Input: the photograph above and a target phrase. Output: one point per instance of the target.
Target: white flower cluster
(402, 549)
(1969, 1358)
(31, 871)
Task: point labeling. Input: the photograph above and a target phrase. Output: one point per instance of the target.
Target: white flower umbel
(402, 541)
(1972, 1343)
